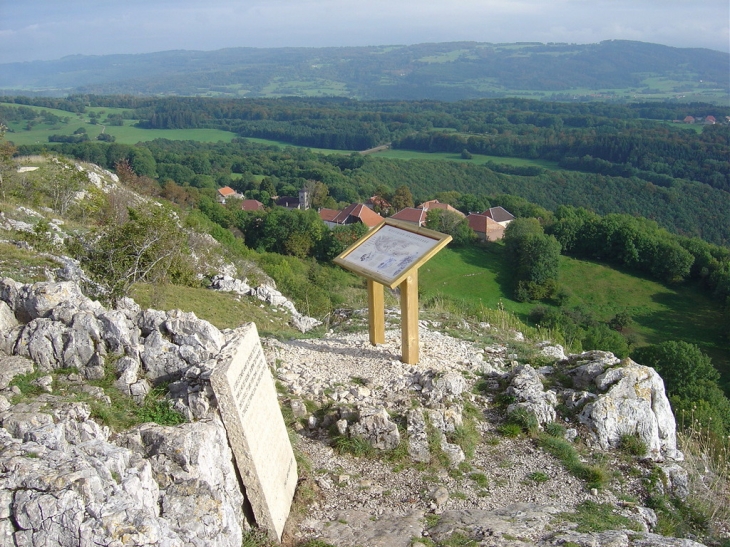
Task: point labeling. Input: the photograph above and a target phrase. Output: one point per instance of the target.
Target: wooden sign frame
(389, 256)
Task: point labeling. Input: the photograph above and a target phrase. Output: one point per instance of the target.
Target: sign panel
(391, 250)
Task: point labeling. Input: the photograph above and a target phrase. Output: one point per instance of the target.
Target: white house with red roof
(227, 192)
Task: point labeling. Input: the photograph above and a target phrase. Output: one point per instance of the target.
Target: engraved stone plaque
(247, 400)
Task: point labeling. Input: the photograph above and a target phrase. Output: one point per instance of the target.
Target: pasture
(479, 275)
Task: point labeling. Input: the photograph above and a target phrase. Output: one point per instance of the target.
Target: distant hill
(610, 70)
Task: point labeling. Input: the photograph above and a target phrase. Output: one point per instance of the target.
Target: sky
(51, 29)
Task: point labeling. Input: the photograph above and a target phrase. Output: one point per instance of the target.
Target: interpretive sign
(256, 431)
(390, 251)
(390, 255)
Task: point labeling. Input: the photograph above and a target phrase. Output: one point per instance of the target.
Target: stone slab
(246, 394)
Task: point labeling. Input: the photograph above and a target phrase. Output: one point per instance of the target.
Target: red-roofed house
(328, 216)
(252, 205)
(376, 203)
(436, 204)
(710, 120)
(411, 215)
(486, 228)
(499, 215)
(689, 119)
(357, 212)
(227, 192)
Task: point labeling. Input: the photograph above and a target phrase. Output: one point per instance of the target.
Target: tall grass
(707, 461)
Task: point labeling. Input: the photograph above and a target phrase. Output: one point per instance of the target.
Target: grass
(538, 477)
(125, 134)
(224, 310)
(479, 276)
(599, 517)
(356, 446)
(22, 265)
(632, 445)
(594, 476)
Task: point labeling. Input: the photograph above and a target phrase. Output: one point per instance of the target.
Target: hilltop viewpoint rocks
(67, 479)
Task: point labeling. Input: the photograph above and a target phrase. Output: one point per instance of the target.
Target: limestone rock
(677, 480)
(526, 387)
(417, 437)
(39, 299)
(304, 323)
(375, 426)
(353, 527)
(161, 358)
(226, 283)
(556, 351)
(7, 317)
(10, 367)
(634, 403)
(193, 465)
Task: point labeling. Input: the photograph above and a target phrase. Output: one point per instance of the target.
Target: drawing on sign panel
(391, 251)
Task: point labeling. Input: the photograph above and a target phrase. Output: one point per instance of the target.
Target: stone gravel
(346, 370)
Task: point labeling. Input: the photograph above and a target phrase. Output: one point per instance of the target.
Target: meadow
(125, 134)
(479, 275)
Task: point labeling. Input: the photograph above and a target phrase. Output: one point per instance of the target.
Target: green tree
(61, 182)
(534, 258)
(449, 222)
(402, 198)
(680, 364)
(149, 248)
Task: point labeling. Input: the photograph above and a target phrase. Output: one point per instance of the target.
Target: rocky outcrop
(527, 389)
(64, 482)
(631, 401)
(63, 479)
(266, 293)
(62, 474)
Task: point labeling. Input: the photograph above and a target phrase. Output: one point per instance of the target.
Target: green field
(480, 275)
(126, 134)
(478, 159)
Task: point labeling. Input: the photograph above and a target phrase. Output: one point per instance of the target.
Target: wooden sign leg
(409, 318)
(376, 313)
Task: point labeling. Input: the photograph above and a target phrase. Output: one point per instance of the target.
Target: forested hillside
(632, 159)
(610, 70)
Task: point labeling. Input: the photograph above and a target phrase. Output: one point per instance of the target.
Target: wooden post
(376, 312)
(409, 317)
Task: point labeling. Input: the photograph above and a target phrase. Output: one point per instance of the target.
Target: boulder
(42, 341)
(226, 283)
(375, 427)
(161, 359)
(7, 318)
(38, 300)
(417, 436)
(527, 389)
(12, 366)
(634, 402)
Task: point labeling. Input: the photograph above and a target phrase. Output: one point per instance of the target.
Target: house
(436, 204)
(252, 205)
(328, 216)
(710, 120)
(227, 192)
(689, 119)
(412, 215)
(357, 212)
(378, 204)
(486, 228)
(500, 215)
